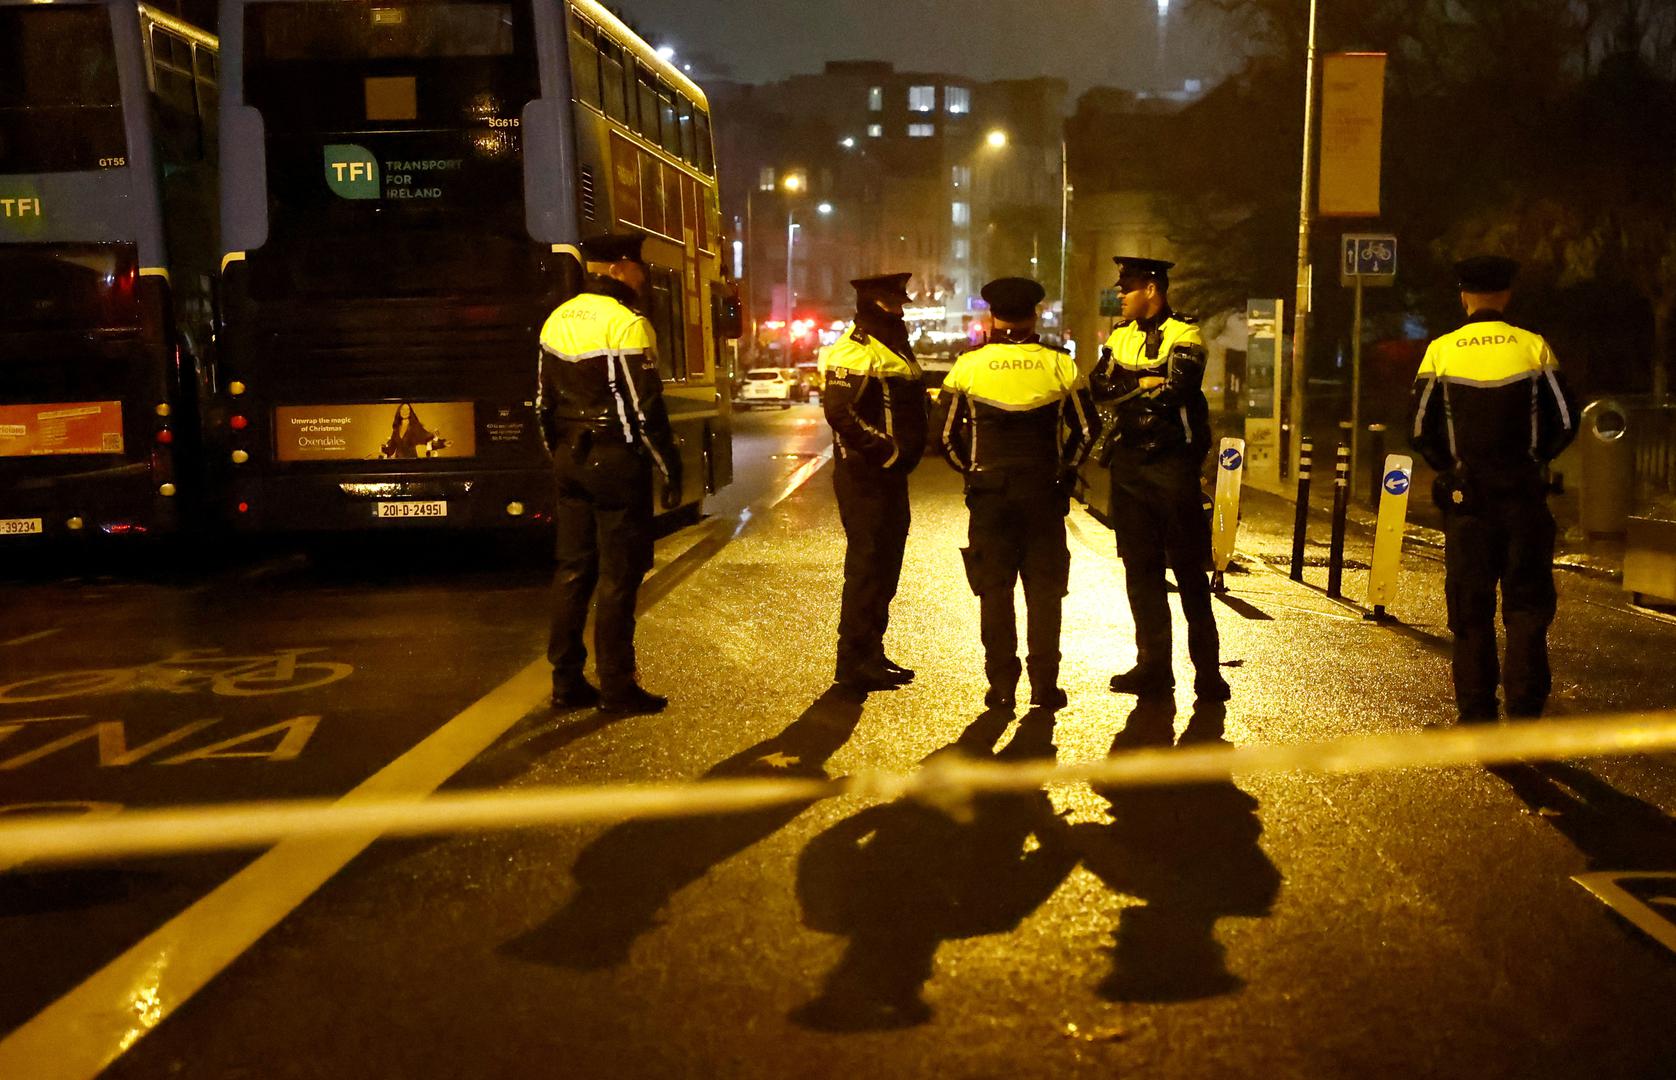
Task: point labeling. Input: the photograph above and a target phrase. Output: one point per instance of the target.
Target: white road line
(82, 1033)
(36, 636)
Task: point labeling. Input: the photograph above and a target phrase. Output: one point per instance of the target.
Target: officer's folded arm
(1186, 376)
(839, 405)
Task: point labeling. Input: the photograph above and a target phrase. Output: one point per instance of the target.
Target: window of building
(875, 131)
(962, 176)
(876, 99)
(921, 131)
(962, 213)
(765, 178)
(962, 248)
(922, 99)
(958, 99)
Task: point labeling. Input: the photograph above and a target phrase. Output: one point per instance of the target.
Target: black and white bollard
(1300, 524)
(1341, 509)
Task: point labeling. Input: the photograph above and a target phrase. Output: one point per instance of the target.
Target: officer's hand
(1151, 382)
(670, 498)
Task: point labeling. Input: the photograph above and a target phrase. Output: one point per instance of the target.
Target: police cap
(1013, 298)
(613, 247)
(1486, 273)
(882, 287)
(1132, 268)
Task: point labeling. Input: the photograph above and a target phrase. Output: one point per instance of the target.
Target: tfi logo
(351, 171)
(20, 207)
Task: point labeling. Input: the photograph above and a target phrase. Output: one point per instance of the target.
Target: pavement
(1418, 922)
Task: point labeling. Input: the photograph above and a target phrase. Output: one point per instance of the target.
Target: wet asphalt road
(1414, 923)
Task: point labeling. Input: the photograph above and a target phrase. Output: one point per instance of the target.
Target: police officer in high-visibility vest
(874, 398)
(1019, 423)
(603, 420)
(1148, 384)
(1490, 410)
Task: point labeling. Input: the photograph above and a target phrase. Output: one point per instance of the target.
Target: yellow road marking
(83, 1032)
(36, 636)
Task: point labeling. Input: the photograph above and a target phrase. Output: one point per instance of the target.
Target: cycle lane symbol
(190, 671)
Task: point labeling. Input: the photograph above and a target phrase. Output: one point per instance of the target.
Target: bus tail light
(238, 422)
(243, 508)
(165, 437)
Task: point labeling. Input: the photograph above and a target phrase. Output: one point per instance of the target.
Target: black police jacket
(875, 400)
(1171, 417)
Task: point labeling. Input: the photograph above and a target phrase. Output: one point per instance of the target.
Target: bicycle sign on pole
(1364, 260)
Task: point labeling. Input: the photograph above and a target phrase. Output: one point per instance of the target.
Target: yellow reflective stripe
(872, 358)
(1128, 343)
(154, 271)
(229, 258)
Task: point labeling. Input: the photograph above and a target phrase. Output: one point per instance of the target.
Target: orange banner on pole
(69, 427)
(1352, 130)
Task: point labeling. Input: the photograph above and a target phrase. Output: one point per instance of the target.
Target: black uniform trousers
(1507, 539)
(1017, 529)
(1159, 519)
(604, 548)
(873, 506)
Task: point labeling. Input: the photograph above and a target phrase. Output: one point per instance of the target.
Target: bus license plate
(411, 510)
(20, 526)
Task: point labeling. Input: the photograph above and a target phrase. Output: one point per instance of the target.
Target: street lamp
(996, 139)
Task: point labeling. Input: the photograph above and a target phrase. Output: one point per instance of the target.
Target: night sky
(1087, 42)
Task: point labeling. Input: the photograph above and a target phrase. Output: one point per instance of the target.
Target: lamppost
(793, 184)
(1300, 307)
(997, 140)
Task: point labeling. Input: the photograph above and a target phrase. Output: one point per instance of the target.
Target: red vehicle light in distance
(238, 422)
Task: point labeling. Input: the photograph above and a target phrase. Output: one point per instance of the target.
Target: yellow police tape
(947, 781)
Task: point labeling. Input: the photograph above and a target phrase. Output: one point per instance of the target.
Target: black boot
(1001, 696)
(1211, 686)
(632, 700)
(577, 695)
(897, 671)
(1142, 680)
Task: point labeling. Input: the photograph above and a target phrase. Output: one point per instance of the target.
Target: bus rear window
(60, 104)
(314, 31)
(325, 67)
(68, 286)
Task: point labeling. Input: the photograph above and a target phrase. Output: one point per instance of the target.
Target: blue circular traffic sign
(1231, 459)
(1396, 481)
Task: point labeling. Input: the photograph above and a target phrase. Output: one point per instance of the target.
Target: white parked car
(765, 387)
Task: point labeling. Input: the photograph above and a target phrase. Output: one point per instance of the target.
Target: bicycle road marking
(186, 671)
(82, 1033)
(36, 636)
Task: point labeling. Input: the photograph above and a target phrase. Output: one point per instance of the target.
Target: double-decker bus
(107, 173)
(404, 186)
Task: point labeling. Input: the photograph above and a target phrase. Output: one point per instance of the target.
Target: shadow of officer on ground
(626, 876)
(1612, 829)
(1190, 853)
(899, 879)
